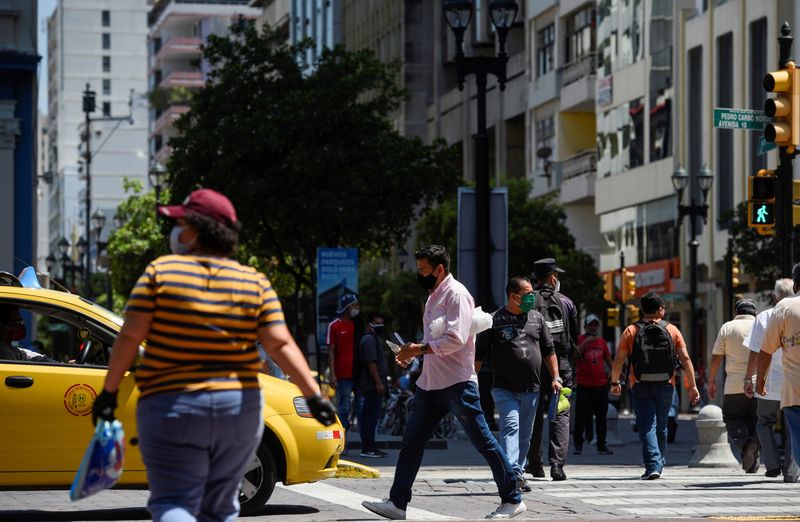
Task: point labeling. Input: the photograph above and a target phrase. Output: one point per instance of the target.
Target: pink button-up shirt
(451, 358)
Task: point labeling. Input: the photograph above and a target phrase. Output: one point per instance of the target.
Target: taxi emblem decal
(79, 399)
(84, 334)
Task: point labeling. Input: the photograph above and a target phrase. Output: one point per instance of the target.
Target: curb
(349, 469)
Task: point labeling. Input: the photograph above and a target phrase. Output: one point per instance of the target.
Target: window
(545, 50)
(106, 86)
(580, 34)
(661, 81)
(724, 137)
(106, 64)
(757, 70)
(620, 138)
(106, 108)
(106, 41)
(545, 134)
(106, 18)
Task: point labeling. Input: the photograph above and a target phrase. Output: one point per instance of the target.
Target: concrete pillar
(9, 134)
(713, 450)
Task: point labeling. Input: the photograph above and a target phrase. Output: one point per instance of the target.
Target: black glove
(104, 406)
(322, 409)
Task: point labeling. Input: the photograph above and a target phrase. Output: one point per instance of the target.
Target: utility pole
(89, 104)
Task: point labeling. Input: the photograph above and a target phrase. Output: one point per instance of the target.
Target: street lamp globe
(504, 12)
(680, 180)
(156, 174)
(63, 245)
(50, 262)
(118, 221)
(82, 245)
(704, 178)
(458, 14)
(98, 221)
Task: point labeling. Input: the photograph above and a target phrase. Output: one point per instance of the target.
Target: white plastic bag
(480, 321)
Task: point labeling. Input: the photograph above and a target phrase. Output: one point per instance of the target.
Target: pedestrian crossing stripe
(772, 517)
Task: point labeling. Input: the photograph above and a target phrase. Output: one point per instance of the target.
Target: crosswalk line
(352, 500)
(714, 510)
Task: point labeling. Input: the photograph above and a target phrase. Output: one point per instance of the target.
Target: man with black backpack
(561, 318)
(653, 348)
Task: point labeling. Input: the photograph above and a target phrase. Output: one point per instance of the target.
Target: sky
(45, 9)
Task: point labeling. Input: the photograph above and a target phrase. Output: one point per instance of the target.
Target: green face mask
(526, 303)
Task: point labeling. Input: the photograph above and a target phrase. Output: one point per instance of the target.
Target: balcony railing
(581, 163)
(179, 44)
(183, 79)
(572, 72)
(171, 114)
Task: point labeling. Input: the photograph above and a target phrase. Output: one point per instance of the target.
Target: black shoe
(536, 470)
(374, 454)
(772, 473)
(789, 479)
(604, 450)
(750, 456)
(523, 485)
(557, 473)
(577, 451)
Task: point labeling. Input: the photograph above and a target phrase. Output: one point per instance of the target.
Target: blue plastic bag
(101, 466)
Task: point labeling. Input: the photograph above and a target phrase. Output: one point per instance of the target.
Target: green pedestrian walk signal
(762, 190)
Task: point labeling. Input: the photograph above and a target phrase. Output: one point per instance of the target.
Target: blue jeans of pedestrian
(372, 404)
(517, 411)
(792, 417)
(196, 447)
(428, 409)
(344, 389)
(651, 404)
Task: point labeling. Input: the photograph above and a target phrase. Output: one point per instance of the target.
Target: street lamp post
(458, 14)
(98, 224)
(695, 209)
(156, 177)
(89, 103)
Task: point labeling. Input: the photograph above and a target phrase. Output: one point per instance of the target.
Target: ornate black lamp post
(458, 14)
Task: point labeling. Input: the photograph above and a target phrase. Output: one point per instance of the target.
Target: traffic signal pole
(622, 323)
(785, 225)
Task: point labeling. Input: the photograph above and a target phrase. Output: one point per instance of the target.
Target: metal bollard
(713, 450)
(612, 418)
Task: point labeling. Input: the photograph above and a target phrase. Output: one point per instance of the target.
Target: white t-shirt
(753, 342)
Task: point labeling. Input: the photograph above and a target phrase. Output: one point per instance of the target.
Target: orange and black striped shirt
(206, 314)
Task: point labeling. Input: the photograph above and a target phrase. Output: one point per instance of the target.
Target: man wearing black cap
(738, 410)
(562, 320)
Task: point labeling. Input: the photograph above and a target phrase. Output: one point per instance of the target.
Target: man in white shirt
(769, 405)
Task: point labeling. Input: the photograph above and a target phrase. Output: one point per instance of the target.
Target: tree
(536, 229)
(309, 157)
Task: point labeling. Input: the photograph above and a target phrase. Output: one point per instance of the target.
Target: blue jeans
(429, 408)
(517, 411)
(344, 389)
(196, 447)
(651, 403)
(372, 405)
(792, 417)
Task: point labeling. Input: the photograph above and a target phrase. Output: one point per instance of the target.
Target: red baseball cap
(207, 202)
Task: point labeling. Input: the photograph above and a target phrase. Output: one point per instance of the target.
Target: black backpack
(550, 305)
(653, 353)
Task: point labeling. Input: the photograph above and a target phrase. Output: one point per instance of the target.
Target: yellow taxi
(45, 419)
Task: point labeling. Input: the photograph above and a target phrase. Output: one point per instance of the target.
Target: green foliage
(439, 226)
(308, 157)
(536, 229)
(139, 241)
(760, 255)
(160, 97)
(395, 294)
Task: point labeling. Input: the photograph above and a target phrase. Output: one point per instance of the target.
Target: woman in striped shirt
(199, 412)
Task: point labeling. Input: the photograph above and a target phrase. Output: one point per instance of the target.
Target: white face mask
(558, 285)
(354, 312)
(175, 244)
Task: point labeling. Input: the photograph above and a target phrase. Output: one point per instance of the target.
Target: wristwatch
(614, 383)
(425, 347)
(559, 380)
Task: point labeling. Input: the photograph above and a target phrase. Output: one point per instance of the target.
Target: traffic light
(762, 190)
(608, 286)
(784, 108)
(735, 271)
(632, 313)
(628, 284)
(613, 316)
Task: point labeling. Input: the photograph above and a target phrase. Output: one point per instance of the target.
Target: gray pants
(739, 414)
(196, 447)
(559, 427)
(767, 417)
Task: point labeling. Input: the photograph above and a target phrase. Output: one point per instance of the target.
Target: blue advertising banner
(337, 274)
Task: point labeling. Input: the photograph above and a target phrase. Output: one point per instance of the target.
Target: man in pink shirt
(448, 383)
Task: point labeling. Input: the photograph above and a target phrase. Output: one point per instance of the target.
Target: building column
(9, 134)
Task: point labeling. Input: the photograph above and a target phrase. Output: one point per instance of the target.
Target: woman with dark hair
(199, 413)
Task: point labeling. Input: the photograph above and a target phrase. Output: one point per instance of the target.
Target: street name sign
(740, 119)
(765, 146)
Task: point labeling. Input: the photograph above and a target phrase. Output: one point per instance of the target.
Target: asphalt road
(456, 484)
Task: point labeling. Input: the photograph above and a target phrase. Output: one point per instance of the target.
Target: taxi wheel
(259, 481)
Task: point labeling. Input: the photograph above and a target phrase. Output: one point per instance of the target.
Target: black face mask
(377, 328)
(427, 282)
